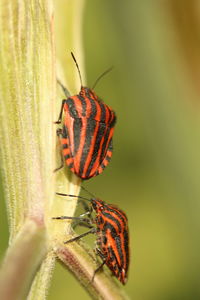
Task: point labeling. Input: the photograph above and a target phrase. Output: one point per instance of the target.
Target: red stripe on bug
(69, 160)
(92, 145)
(64, 141)
(89, 107)
(66, 152)
(109, 153)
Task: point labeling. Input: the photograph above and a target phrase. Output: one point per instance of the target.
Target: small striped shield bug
(87, 132)
(110, 225)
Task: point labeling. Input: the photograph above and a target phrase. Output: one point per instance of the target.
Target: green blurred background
(154, 174)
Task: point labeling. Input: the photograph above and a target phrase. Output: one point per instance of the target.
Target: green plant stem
(22, 260)
(39, 288)
(27, 152)
(82, 263)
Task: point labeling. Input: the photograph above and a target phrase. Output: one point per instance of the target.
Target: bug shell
(87, 133)
(113, 237)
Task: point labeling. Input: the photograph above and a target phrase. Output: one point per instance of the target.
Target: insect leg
(86, 222)
(72, 218)
(88, 209)
(80, 221)
(61, 111)
(59, 133)
(101, 265)
(81, 224)
(93, 230)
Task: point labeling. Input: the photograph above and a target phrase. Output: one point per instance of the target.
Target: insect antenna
(73, 196)
(103, 74)
(79, 72)
(93, 196)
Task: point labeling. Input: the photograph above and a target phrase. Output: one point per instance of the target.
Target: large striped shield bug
(110, 224)
(87, 132)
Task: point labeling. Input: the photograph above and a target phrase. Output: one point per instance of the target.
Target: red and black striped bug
(86, 136)
(111, 228)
